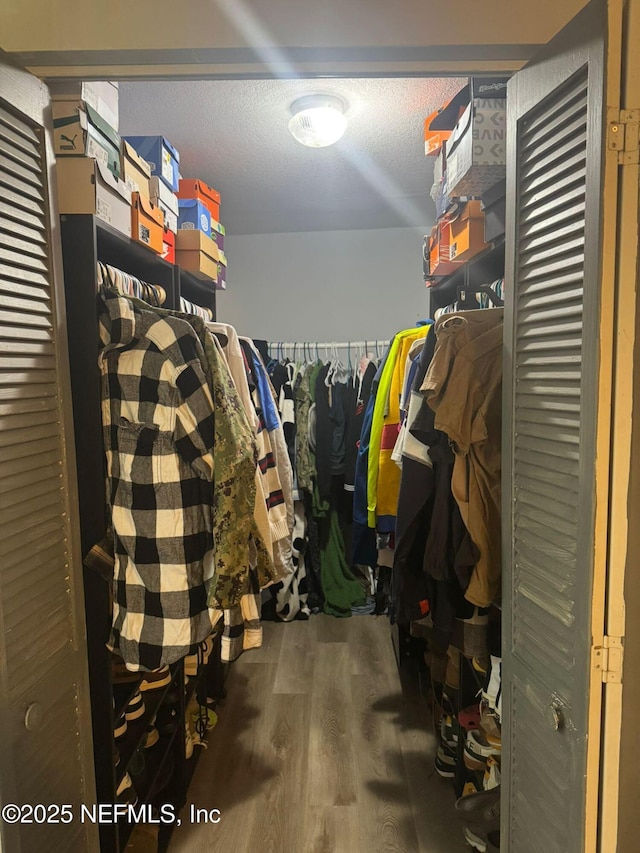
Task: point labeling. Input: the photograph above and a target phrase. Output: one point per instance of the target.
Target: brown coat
(464, 388)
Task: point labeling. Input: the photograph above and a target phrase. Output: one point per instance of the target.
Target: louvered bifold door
(554, 359)
(45, 747)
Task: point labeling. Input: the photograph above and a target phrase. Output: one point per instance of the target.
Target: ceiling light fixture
(317, 120)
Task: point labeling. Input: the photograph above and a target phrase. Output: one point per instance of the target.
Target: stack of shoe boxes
(200, 235)
(164, 164)
(467, 136)
(87, 147)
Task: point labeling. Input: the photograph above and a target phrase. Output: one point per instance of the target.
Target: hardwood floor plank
(318, 750)
(296, 660)
(332, 779)
(236, 770)
(330, 629)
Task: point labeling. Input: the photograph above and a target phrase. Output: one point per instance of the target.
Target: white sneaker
(492, 693)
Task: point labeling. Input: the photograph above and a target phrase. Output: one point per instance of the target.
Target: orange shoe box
(169, 245)
(147, 223)
(190, 188)
(440, 261)
(467, 232)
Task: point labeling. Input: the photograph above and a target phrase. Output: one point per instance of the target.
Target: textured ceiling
(234, 136)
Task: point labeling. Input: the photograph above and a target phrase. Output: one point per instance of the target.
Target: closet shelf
(124, 248)
(482, 269)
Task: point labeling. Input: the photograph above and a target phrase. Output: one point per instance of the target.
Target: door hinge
(607, 659)
(623, 135)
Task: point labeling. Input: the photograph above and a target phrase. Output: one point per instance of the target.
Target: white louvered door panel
(556, 127)
(43, 656)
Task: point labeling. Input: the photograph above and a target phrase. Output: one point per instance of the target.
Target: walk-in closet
(317, 435)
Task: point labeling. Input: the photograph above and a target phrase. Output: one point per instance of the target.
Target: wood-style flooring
(317, 751)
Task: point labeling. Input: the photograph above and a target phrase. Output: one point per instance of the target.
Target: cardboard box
(221, 283)
(198, 254)
(476, 151)
(438, 251)
(193, 215)
(434, 139)
(102, 96)
(147, 223)
(467, 233)
(80, 132)
(135, 171)
(161, 156)
(167, 201)
(169, 245)
(218, 233)
(87, 186)
(207, 195)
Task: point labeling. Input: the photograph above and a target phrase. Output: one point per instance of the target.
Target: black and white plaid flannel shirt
(158, 422)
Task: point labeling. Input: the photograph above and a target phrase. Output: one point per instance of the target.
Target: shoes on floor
(481, 809)
(478, 748)
(470, 717)
(483, 842)
(445, 762)
(157, 679)
(135, 709)
(492, 773)
(125, 792)
(152, 737)
(492, 691)
(476, 840)
(120, 726)
(449, 731)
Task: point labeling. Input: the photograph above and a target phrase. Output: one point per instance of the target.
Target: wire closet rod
(324, 344)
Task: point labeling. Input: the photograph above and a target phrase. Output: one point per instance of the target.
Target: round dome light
(317, 120)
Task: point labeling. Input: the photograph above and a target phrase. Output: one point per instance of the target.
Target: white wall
(324, 285)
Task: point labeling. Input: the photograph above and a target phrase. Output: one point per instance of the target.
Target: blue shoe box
(193, 216)
(161, 156)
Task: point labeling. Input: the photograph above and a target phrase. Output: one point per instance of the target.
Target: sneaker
(135, 709)
(492, 774)
(445, 762)
(125, 792)
(120, 727)
(156, 679)
(449, 731)
(475, 840)
(469, 789)
(493, 685)
(481, 809)
(489, 721)
(470, 717)
(152, 737)
(477, 750)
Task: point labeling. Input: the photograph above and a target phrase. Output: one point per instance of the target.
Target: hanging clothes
(158, 421)
(464, 388)
(383, 478)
